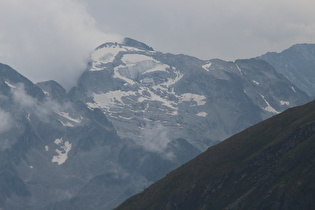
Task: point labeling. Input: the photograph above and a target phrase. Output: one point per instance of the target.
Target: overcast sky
(52, 38)
(227, 29)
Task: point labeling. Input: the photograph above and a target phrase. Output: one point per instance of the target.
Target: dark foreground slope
(267, 166)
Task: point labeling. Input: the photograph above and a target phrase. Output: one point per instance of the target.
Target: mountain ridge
(274, 171)
(166, 84)
(297, 64)
(135, 115)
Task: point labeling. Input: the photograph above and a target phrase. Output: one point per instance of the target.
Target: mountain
(135, 115)
(141, 91)
(297, 64)
(48, 147)
(153, 99)
(267, 166)
(53, 148)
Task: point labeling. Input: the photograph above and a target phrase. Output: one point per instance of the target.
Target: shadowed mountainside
(267, 166)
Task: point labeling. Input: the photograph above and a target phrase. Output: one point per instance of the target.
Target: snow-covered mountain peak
(106, 53)
(137, 88)
(134, 115)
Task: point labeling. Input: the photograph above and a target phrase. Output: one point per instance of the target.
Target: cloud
(154, 138)
(5, 121)
(42, 109)
(48, 39)
(23, 103)
(28, 103)
(226, 29)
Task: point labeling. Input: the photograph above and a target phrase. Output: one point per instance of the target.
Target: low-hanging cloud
(154, 138)
(5, 121)
(49, 39)
(9, 120)
(42, 109)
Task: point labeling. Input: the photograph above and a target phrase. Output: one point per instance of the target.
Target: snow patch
(257, 83)
(165, 85)
(141, 64)
(202, 114)
(66, 124)
(155, 97)
(9, 84)
(58, 141)
(239, 69)
(293, 89)
(135, 58)
(104, 55)
(126, 118)
(157, 67)
(46, 93)
(283, 103)
(108, 54)
(207, 66)
(67, 116)
(269, 108)
(109, 99)
(63, 153)
(199, 99)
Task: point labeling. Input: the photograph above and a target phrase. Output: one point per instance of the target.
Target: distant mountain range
(135, 115)
(297, 64)
(203, 102)
(267, 166)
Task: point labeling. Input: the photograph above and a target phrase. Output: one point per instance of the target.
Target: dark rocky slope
(267, 166)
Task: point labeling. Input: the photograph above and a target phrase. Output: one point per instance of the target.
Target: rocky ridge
(135, 115)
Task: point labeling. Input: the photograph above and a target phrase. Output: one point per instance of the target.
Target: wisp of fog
(49, 39)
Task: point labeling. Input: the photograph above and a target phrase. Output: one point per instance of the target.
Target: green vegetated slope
(267, 166)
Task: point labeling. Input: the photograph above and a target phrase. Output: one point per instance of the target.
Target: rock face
(267, 166)
(54, 148)
(297, 64)
(135, 115)
(47, 145)
(144, 92)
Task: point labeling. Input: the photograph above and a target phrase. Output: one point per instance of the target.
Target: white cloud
(31, 105)
(48, 39)
(5, 121)
(154, 138)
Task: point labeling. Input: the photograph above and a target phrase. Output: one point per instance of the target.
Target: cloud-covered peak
(48, 40)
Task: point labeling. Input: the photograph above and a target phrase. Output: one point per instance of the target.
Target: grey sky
(51, 39)
(226, 29)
